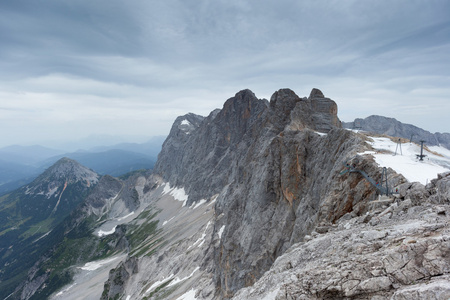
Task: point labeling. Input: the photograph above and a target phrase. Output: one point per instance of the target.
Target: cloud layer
(69, 69)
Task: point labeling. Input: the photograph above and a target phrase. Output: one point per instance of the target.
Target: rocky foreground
(396, 252)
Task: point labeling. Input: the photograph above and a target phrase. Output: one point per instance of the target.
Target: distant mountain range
(392, 127)
(19, 165)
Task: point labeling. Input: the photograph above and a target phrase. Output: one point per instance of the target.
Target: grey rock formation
(443, 139)
(121, 274)
(392, 127)
(276, 168)
(399, 250)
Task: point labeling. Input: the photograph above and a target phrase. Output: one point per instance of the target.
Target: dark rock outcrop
(118, 277)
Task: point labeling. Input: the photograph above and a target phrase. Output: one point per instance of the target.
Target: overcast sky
(74, 68)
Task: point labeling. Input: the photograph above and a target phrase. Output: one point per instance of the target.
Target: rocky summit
(259, 200)
(277, 175)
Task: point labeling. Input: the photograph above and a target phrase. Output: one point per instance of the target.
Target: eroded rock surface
(406, 255)
(276, 167)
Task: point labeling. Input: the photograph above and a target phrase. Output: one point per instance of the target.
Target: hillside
(51, 225)
(30, 214)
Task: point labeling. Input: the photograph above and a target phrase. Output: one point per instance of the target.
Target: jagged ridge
(276, 167)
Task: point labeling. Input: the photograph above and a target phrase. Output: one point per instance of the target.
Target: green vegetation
(40, 228)
(35, 234)
(55, 281)
(24, 220)
(138, 234)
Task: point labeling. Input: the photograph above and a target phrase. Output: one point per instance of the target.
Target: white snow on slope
(219, 233)
(201, 239)
(202, 201)
(167, 221)
(407, 163)
(124, 217)
(101, 233)
(320, 133)
(178, 280)
(94, 265)
(63, 291)
(178, 194)
(190, 295)
(441, 150)
(158, 283)
(185, 122)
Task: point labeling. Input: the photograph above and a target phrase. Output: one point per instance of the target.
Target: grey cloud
(197, 53)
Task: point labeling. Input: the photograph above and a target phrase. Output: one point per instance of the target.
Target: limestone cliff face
(276, 167)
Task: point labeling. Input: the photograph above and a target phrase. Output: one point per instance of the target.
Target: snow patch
(124, 217)
(101, 233)
(320, 133)
(44, 235)
(185, 122)
(178, 280)
(368, 152)
(219, 233)
(158, 283)
(128, 297)
(50, 192)
(167, 221)
(201, 239)
(213, 199)
(202, 201)
(166, 189)
(190, 295)
(441, 150)
(178, 193)
(65, 290)
(94, 265)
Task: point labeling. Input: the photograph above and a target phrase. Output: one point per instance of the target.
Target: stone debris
(405, 256)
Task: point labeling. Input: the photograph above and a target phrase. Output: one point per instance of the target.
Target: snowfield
(185, 122)
(178, 194)
(101, 233)
(403, 159)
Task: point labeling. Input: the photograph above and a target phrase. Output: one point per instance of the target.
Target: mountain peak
(240, 105)
(64, 171)
(316, 93)
(71, 169)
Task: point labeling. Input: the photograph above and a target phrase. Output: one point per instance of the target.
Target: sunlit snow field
(403, 159)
